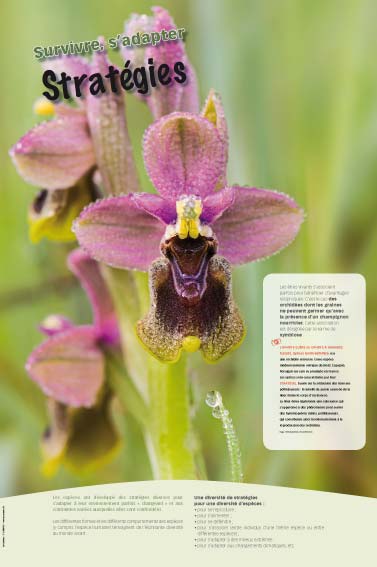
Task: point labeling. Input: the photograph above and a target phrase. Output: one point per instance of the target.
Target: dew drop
(213, 399)
(217, 413)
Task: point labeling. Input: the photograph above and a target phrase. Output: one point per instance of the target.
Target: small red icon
(275, 342)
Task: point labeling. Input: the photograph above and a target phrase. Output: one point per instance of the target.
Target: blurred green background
(299, 85)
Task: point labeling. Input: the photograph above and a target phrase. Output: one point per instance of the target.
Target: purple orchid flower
(189, 234)
(175, 96)
(69, 366)
(61, 155)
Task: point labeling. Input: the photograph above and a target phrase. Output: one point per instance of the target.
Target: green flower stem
(170, 420)
(124, 288)
(163, 388)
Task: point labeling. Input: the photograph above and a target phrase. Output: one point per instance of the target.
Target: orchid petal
(88, 272)
(162, 99)
(183, 154)
(156, 206)
(260, 223)
(214, 205)
(214, 112)
(116, 231)
(165, 99)
(137, 23)
(69, 367)
(54, 154)
(112, 145)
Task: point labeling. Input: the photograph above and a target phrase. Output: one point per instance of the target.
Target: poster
(187, 285)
